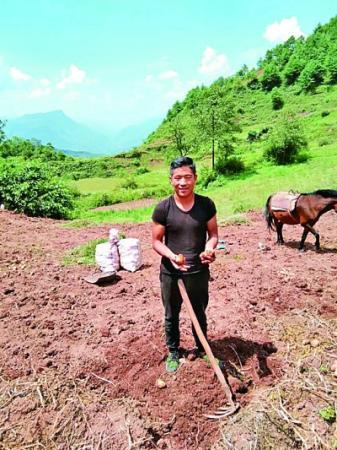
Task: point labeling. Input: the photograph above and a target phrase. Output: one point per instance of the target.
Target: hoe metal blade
(223, 412)
(233, 406)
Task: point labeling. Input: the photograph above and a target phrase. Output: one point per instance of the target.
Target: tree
(285, 141)
(331, 65)
(217, 122)
(271, 77)
(276, 99)
(293, 70)
(312, 76)
(179, 135)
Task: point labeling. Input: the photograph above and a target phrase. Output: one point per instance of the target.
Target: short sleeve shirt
(185, 231)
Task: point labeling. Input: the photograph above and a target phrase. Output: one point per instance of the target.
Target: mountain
(61, 131)
(134, 134)
(77, 139)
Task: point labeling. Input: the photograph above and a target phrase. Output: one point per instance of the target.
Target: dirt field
(79, 363)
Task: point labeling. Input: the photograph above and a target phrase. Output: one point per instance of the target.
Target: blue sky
(114, 63)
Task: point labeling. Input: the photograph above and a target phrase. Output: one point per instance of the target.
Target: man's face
(183, 181)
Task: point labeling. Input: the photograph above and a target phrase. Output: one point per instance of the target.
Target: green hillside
(261, 130)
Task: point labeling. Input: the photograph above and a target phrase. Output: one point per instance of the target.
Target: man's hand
(207, 256)
(179, 263)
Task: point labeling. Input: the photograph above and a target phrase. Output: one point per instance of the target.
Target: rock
(314, 343)
(160, 383)
(105, 332)
(263, 247)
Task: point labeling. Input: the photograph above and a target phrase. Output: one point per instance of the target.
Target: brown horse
(308, 209)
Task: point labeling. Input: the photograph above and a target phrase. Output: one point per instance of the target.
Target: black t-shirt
(185, 232)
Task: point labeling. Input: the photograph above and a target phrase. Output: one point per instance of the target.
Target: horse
(307, 209)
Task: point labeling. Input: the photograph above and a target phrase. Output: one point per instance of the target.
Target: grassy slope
(251, 189)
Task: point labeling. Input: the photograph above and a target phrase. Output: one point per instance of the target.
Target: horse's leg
(306, 230)
(316, 234)
(304, 236)
(279, 226)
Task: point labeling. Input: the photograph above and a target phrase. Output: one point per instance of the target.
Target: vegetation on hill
(260, 130)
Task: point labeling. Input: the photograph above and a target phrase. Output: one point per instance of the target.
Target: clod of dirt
(160, 383)
(314, 343)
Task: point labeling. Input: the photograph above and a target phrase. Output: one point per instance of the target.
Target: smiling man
(185, 234)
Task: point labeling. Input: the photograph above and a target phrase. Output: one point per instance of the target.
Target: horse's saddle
(284, 201)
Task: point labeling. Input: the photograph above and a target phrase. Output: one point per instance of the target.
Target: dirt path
(79, 363)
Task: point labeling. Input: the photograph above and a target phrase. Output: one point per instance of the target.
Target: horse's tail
(268, 215)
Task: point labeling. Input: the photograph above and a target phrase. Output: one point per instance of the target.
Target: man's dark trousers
(196, 285)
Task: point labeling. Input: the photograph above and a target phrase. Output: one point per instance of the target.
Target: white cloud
(45, 82)
(74, 76)
(39, 92)
(168, 75)
(18, 75)
(213, 63)
(283, 30)
(148, 78)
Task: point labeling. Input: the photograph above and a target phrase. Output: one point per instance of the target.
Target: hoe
(231, 406)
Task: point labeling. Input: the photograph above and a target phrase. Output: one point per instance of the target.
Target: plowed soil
(79, 363)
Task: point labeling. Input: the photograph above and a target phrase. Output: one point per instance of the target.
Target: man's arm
(208, 255)
(158, 233)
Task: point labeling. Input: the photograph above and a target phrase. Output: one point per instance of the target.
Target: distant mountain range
(75, 138)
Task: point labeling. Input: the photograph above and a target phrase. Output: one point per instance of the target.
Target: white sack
(107, 257)
(113, 235)
(130, 254)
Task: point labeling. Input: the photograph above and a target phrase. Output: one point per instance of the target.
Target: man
(185, 234)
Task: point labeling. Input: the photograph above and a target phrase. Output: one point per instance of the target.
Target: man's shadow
(235, 352)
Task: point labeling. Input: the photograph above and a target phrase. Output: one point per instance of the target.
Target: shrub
(206, 176)
(285, 142)
(271, 78)
(324, 141)
(252, 136)
(325, 113)
(129, 183)
(28, 188)
(142, 170)
(229, 166)
(311, 76)
(276, 99)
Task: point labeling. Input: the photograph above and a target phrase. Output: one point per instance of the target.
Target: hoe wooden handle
(204, 342)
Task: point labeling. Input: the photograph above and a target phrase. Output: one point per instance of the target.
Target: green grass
(232, 195)
(83, 254)
(90, 218)
(236, 195)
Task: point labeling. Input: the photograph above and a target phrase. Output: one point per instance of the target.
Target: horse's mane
(326, 192)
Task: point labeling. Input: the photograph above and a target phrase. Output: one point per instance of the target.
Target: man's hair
(182, 161)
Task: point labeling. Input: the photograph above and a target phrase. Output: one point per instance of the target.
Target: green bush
(252, 136)
(28, 188)
(271, 78)
(206, 176)
(229, 166)
(325, 113)
(285, 142)
(311, 76)
(276, 99)
(142, 170)
(129, 183)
